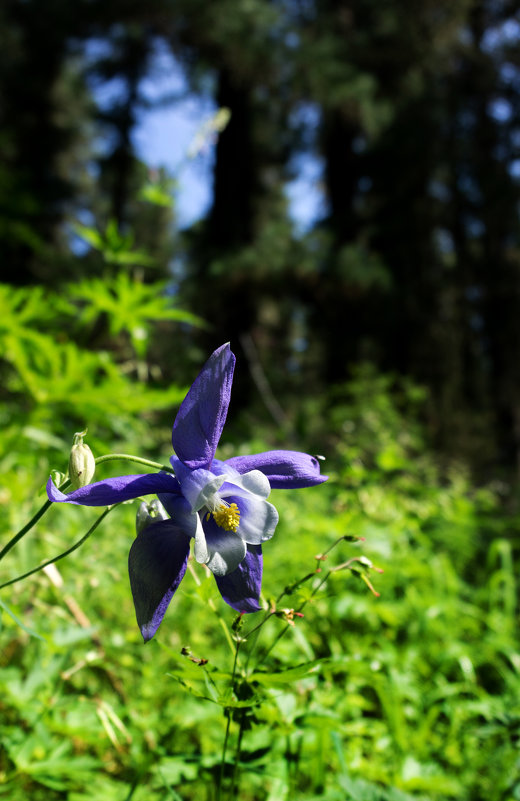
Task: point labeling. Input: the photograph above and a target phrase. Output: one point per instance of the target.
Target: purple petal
(156, 565)
(241, 588)
(284, 469)
(199, 487)
(201, 417)
(115, 490)
(179, 509)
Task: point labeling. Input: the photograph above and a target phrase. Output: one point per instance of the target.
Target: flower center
(227, 516)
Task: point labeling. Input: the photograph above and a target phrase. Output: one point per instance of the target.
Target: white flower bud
(82, 465)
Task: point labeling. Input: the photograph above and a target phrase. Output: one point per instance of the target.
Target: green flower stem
(218, 796)
(317, 588)
(238, 750)
(17, 537)
(65, 553)
(125, 457)
(23, 531)
(288, 590)
(258, 626)
(228, 725)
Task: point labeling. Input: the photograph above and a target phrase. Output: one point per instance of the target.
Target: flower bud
(149, 513)
(82, 465)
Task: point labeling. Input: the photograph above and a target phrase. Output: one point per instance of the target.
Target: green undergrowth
(412, 693)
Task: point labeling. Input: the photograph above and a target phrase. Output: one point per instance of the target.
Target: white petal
(199, 488)
(202, 554)
(226, 551)
(258, 519)
(254, 482)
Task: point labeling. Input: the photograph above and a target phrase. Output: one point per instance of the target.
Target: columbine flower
(222, 506)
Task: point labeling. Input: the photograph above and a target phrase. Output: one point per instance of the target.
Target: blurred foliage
(58, 381)
(393, 125)
(411, 695)
(64, 353)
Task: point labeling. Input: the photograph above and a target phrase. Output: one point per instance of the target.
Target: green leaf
(277, 679)
(152, 193)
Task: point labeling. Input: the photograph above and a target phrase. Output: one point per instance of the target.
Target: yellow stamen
(227, 516)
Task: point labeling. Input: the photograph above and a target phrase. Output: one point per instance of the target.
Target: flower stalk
(111, 457)
(61, 555)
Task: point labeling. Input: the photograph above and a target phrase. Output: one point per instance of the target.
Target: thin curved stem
(65, 553)
(287, 627)
(126, 457)
(223, 758)
(228, 726)
(289, 589)
(238, 749)
(17, 537)
(28, 526)
(317, 588)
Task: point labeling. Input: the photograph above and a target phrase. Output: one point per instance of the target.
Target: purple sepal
(284, 469)
(201, 417)
(241, 588)
(156, 565)
(115, 490)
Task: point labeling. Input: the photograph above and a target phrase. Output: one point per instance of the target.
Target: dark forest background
(415, 264)
(385, 337)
